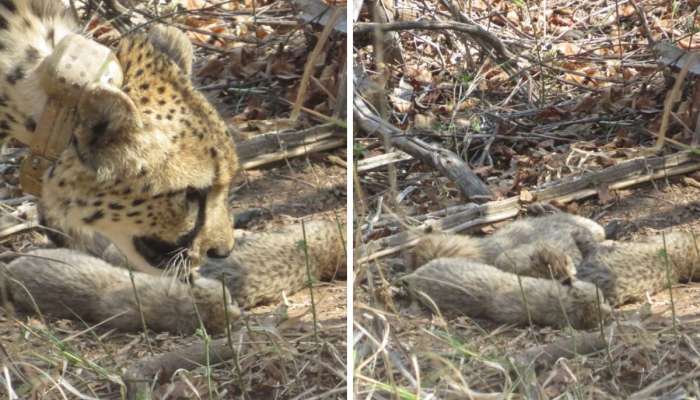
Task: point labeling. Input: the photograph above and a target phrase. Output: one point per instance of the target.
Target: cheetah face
(150, 163)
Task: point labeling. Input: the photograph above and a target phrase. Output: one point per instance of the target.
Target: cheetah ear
(106, 115)
(175, 44)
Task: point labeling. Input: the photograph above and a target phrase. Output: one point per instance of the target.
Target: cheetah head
(150, 163)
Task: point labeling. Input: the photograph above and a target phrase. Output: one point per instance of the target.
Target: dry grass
(583, 93)
(277, 358)
(287, 351)
(411, 354)
(292, 350)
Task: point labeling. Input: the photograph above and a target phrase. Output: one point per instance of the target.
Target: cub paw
(214, 304)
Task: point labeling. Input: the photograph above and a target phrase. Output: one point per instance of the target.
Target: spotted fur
(150, 163)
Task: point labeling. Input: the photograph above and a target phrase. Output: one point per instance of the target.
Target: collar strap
(65, 75)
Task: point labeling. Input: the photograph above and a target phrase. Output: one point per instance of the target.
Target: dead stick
(546, 355)
(322, 145)
(444, 161)
(487, 38)
(266, 143)
(140, 376)
(673, 96)
(311, 62)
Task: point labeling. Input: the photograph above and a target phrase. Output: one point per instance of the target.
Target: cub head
(150, 163)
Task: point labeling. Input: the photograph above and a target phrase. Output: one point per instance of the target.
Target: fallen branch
(543, 356)
(271, 142)
(444, 161)
(368, 164)
(140, 377)
(322, 145)
(485, 39)
(619, 176)
(271, 147)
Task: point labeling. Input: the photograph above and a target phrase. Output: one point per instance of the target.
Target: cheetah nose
(219, 252)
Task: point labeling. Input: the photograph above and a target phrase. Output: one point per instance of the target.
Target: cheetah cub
(626, 271)
(462, 287)
(62, 283)
(529, 246)
(517, 289)
(67, 284)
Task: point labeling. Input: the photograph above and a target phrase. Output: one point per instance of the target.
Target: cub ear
(175, 44)
(106, 116)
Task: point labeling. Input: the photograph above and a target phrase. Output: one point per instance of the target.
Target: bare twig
(485, 38)
(311, 62)
(140, 376)
(580, 343)
(443, 160)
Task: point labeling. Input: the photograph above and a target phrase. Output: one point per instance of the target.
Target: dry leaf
(466, 104)
(212, 69)
(581, 80)
(249, 70)
(401, 96)
(604, 196)
(559, 20)
(626, 10)
(567, 48)
(251, 112)
(526, 197)
(424, 121)
(419, 74)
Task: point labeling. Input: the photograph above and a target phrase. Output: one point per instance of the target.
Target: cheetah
(526, 246)
(508, 279)
(263, 266)
(458, 286)
(626, 271)
(149, 166)
(150, 163)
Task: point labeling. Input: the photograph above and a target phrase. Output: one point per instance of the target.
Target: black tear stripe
(158, 252)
